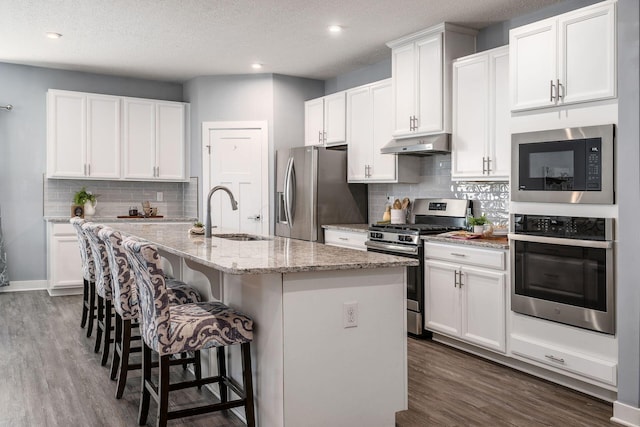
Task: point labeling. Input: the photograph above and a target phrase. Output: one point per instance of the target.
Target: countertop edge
(65, 219)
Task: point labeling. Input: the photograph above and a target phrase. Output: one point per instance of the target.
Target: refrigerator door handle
(289, 193)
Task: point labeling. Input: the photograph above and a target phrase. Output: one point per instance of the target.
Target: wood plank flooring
(49, 376)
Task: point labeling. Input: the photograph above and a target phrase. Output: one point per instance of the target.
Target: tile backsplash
(180, 199)
(489, 198)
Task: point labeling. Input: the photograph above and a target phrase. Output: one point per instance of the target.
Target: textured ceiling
(176, 40)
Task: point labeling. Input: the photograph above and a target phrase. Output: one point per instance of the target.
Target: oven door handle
(560, 241)
(392, 248)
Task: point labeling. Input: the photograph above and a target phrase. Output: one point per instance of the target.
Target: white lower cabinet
(345, 239)
(64, 265)
(463, 300)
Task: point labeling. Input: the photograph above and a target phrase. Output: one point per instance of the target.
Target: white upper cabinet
(368, 129)
(566, 59)
(154, 140)
(325, 120)
(421, 73)
(83, 135)
(481, 143)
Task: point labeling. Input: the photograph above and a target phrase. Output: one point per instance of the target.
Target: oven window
(565, 274)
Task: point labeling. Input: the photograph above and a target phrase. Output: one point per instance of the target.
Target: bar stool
(168, 330)
(88, 277)
(125, 303)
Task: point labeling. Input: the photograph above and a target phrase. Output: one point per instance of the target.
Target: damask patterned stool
(168, 330)
(88, 276)
(125, 303)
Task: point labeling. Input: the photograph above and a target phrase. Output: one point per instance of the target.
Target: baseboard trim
(60, 292)
(25, 285)
(625, 415)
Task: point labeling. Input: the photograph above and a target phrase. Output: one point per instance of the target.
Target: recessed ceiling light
(53, 35)
(335, 29)
(256, 66)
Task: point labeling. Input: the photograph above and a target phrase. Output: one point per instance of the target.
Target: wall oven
(562, 270)
(572, 165)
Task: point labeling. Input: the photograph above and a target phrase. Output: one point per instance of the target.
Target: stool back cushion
(100, 260)
(152, 292)
(125, 297)
(88, 268)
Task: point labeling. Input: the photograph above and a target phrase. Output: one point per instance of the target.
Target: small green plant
(198, 224)
(83, 196)
(478, 220)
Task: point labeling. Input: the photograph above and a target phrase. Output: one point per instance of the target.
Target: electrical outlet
(390, 199)
(350, 314)
(159, 196)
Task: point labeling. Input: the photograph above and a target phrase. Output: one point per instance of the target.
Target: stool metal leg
(85, 302)
(222, 372)
(106, 345)
(117, 348)
(123, 369)
(100, 325)
(247, 377)
(163, 391)
(91, 315)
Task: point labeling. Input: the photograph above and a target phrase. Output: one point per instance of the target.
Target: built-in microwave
(572, 165)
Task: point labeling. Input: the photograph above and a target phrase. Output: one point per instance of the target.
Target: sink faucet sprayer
(234, 206)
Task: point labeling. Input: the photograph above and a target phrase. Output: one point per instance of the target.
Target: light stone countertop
(494, 242)
(65, 219)
(275, 255)
(359, 228)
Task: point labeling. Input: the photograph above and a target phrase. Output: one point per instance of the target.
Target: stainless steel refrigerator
(312, 191)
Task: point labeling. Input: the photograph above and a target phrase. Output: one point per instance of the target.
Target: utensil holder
(398, 216)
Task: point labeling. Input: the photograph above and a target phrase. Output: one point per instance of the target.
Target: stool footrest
(180, 413)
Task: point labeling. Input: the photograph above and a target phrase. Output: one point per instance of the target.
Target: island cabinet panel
(63, 260)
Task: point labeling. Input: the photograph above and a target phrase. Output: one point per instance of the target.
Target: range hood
(419, 146)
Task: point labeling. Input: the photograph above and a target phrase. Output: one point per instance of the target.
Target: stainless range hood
(419, 146)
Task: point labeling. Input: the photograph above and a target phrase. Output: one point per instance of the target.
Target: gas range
(406, 233)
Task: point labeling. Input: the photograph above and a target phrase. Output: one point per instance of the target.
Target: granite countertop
(494, 242)
(65, 219)
(359, 228)
(273, 255)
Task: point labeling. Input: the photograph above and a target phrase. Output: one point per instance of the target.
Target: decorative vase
(90, 208)
(477, 229)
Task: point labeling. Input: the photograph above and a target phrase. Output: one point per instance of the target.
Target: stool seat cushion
(181, 293)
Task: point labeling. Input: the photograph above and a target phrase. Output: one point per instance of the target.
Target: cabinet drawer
(581, 364)
(461, 254)
(63, 230)
(345, 239)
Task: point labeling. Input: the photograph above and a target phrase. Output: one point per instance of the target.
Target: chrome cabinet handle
(410, 122)
(560, 86)
(455, 278)
(551, 95)
(553, 358)
(319, 137)
(460, 284)
(343, 238)
(488, 165)
(484, 160)
(254, 217)
(324, 137)
(415, 122)
(457, 254)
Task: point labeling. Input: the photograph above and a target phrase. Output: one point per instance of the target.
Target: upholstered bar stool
(125, 303)
(168, 330)
(88, 276)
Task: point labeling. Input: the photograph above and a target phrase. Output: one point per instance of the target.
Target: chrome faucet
(234, 206)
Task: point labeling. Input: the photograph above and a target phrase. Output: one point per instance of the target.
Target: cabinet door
(430, 83)
(66, 134)
(103, 136)
(442, 298)
(404, 88)
(383, 166)
(335, 119)
(483, 307)
(139, 139)
(470, 117)
(313, 121)
(587, 63)
(359, 134)
(499, 143)
(532, 52)
(65, 265)
(170, 141)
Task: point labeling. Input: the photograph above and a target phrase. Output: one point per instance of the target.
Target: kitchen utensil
(405, 203)
(397, 204)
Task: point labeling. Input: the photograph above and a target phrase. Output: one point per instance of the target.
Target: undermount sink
(243, 237)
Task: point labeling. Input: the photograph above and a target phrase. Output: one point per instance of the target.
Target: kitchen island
(313, 364)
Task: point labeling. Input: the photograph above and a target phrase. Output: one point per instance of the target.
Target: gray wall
(628, 190)
(23, 151)
(362, 76)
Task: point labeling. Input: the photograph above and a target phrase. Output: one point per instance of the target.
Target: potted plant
(478, 224)
(87, 200)
(198, 228)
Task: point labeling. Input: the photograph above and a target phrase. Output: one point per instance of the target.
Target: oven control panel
(568, 227)
(394, 237)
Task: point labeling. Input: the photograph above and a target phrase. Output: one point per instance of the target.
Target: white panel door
(66, 134)
(470, 116)
(335, 119)
(236, 163)
(314, 121)
(383, 165)
(483, 307)
(170, 144)
(404, 88)
(533, 71)
(359, 134)
(499, 147)
(587, 50)
(442, 298)
(103, 136)
(139, 139)
(430, 82)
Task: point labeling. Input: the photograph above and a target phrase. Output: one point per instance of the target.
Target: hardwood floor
(50, 376)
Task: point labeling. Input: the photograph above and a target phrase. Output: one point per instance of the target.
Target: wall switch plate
(350, 314)
(390, 199)
(159, 196)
